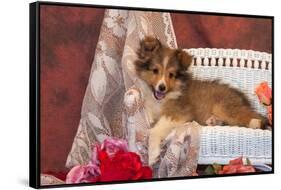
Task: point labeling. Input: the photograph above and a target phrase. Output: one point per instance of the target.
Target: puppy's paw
(255, 124)
(153, 155)
(213, 121)
(154, 148)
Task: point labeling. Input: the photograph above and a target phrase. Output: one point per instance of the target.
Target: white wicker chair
(243, 69)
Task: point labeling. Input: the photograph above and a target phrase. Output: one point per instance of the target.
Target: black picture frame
(35, 96)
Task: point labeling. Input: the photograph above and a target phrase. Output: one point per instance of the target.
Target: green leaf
(217, 168)
(248, 162)
(209, 170)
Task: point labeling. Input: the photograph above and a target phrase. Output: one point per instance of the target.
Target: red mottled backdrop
(68, 39)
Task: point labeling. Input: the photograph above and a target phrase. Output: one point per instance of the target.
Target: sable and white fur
(172, 97)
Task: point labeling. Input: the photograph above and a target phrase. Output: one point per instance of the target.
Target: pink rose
(90, 171)
(264, 93)
(83, 173)
(236, 166)
(113, 145)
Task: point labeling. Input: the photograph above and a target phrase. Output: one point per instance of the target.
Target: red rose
(110, 161)
(123, 166)
(236, 161)
(237, 166)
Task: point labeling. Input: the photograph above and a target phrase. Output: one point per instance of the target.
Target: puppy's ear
(184, 59)
(148, 46)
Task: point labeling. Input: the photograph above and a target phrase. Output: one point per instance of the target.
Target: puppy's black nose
(162, 87)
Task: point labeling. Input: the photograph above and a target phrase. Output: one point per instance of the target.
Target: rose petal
(269, 114)
(75, 175)
(229, 169)
(246, 169)
(238, 160)
(113, 145)
(82, 173)
(143, 173)
(264, 93)
(236, 166)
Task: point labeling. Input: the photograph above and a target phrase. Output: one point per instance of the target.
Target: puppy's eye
(155, 71)
(171, 75)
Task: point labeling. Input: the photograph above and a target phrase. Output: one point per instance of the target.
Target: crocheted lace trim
(231, 58)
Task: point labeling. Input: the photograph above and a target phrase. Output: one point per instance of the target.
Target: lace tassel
(234, 62)
(256, 64)
(206, 61)
(198, 61)
(213, 61)
(263, 65)
(227, 62)
(220, 62)
(269, 66)
(249, 63)
(242, 63)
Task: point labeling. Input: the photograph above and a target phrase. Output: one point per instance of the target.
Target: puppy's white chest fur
(151, 105)
(152, 108)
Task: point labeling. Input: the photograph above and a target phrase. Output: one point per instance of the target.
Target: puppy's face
(162, 68)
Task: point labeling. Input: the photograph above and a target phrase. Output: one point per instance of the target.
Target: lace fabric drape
(113, 103)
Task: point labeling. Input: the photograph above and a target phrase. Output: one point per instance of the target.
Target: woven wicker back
(243, 69)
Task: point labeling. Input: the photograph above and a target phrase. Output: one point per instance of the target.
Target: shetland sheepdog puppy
(172, 97)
